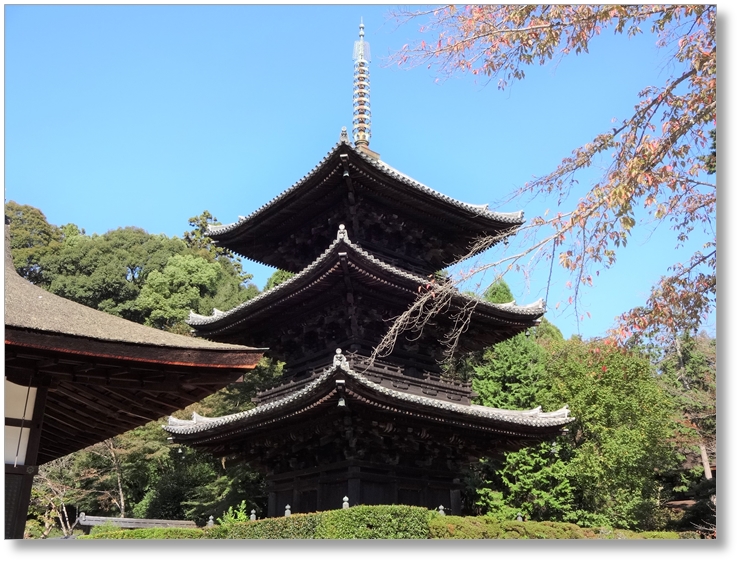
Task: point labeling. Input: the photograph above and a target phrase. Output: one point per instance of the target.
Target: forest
(644, 438)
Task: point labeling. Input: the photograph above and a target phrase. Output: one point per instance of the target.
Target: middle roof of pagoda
(386, 212)
(345, 259)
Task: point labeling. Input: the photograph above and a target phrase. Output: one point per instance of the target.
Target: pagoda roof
(363, 268)
(340, 380)
(253, 236)
(105, 375)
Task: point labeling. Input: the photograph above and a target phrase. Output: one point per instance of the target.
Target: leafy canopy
(656, 158)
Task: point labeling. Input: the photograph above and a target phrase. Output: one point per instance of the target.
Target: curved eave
(32, 310)
(259, 223)
(106, 350)
(528, 423)
(221, 322)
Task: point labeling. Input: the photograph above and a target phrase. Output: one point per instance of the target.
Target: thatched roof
(30, 307)
(103, 375)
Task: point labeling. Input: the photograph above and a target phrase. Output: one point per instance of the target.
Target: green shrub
(461, 528)
(660, 535)
(233, 515)
(148, 534)
(375, 522)
(297, 526)
(383, 522)
(490, 527)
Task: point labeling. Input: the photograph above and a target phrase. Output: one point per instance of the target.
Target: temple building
(75, 376)
(363, 241)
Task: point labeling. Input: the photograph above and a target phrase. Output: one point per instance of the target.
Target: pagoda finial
(361, 94)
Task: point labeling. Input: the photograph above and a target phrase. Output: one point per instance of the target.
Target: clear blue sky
(147, 115)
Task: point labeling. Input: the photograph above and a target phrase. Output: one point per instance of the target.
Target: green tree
(688, 374)
(620, 440)
(197, 239)
(651, 160)
(31, 238)
(277, 277)
(532, 480)
(54, 495)
(107, 271)
(169, 295)
(603, 471)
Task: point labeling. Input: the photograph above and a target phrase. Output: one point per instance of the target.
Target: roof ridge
(196, 319)
(513, 217)
(532, 417)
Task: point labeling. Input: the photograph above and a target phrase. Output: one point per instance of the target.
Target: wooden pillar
(455, 498)
(321, 492)
(296, 504)
(19, 478)
(271, 502)
(354, 486)
(18, 482)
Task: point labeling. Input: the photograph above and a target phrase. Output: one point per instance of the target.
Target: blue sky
(147, 115)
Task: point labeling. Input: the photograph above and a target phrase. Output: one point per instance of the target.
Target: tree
(169, 295)
(603, 471)
(31, 238)
(277, 277)
(107, 271)
(534, 479)
(621, 439)
(688, 374)
(198, 240)
(655, 154)
(54, 493)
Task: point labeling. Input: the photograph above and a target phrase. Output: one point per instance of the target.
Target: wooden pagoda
(362, 238)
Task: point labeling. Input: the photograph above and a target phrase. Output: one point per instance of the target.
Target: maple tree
(658, 160)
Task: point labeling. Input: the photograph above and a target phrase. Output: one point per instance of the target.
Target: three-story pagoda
(362, 239)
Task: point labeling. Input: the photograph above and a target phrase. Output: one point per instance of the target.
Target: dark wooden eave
(476, 425)
(97, 390)
(383, 210)
(346, 276)
(103, 375)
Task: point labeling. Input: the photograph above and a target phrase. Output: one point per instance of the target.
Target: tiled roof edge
(202, 320)
(533, 417)
(515, 217)
(214, 230)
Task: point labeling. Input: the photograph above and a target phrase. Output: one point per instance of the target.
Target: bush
(375, 522)
(660, 535)
(384, 522)
(147, 534)
(296, 526)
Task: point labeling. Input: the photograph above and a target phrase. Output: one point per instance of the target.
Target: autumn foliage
(659, 160)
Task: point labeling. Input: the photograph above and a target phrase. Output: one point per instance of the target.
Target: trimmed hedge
(357, 522)
(294, 527)
(147, 534)
(395, 522)
(486, 527)
(384, 522)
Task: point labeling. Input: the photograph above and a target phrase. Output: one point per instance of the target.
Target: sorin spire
(361, 94)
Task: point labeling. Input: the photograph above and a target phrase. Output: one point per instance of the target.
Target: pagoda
(363, 239)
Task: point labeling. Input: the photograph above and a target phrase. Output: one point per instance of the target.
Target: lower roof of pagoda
(364, 293)
(386, 211)
(341, 387)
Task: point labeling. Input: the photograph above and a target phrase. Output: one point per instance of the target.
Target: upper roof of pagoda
(386, 212)
(345, 259)
(339, 380)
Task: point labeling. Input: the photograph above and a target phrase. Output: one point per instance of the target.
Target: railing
(85, 520)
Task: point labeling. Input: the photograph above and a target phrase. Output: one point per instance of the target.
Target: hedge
(384, 522)
(146, 534)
